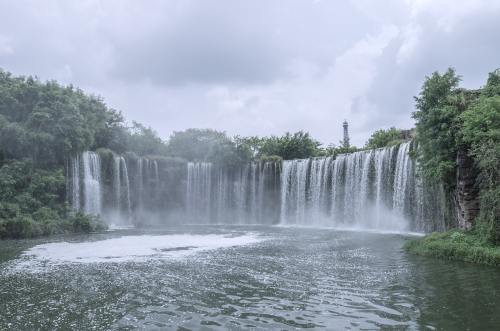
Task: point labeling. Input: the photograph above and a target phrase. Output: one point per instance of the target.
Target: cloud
(5, 46)
(253, 67)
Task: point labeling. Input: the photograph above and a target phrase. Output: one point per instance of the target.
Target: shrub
(86, 223)
(456, 245)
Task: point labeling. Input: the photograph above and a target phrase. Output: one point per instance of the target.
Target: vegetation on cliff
(450, 120)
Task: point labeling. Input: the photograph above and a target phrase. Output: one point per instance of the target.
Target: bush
(455, 245)
(488, 221)
(86, 223)
(18, 227)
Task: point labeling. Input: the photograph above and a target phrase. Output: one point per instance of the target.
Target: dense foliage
(437, 125)
(32, 203)
(299, 145)
(382, 138)
(41, 124)
(449, 120)
(481, 131)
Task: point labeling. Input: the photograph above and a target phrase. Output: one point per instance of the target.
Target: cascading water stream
(75, 182)
(92, 183)
(403, 172)
(117, 185)
(198, 199)
(126, 180)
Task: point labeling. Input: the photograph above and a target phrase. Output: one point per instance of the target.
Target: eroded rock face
(467, 193)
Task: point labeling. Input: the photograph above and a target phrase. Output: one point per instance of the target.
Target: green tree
(383, 138)
(144, 141)
(204, 145)
(299, 145)
(481, 130)
(438, 106)
(248, 147)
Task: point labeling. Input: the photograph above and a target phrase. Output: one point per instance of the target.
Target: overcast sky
(254, 67)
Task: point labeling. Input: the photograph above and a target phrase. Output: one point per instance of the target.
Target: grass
(455, 245)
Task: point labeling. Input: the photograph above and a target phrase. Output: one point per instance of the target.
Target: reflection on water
(283, 278)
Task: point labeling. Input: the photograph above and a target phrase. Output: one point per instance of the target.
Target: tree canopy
(437, 124)
(383, 138)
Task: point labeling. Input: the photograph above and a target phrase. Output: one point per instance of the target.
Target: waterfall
(366, 189)
(372, 189)
(294, 195)
(121, 207)
(198, 199)
(117, 185)
(338, 180)
(383, 159)
(140, 184)
(116, 196)
(91, 183)
(156, 178)
(74, 182)
(232, 195)
(403, 168)
(123, 165)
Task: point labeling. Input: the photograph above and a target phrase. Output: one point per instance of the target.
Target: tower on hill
(345, 142)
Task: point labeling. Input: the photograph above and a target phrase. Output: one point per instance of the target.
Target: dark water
(293, 278)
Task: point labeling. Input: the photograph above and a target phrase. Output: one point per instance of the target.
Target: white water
(121, 209)
(116, 198)
(367, 189)
(92, 183)
(376, 189)
(147, 184)
(129, 249)
(198, 199)
(241, 195)
(123, 165)
(74, 183)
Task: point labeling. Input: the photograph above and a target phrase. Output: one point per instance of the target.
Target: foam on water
(351, 229)
(131, 248)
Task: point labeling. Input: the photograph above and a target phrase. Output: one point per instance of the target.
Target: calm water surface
(209, 278)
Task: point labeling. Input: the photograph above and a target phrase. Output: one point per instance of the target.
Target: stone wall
(467, 194)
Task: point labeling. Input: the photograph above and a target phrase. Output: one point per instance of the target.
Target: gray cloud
(234, 41)
(253, 67)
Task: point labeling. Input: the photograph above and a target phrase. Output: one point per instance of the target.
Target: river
(239, 277)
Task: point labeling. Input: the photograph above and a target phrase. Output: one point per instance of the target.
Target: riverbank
(455, 245)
